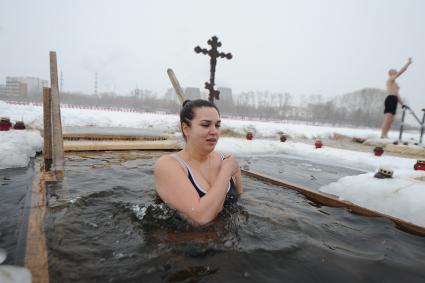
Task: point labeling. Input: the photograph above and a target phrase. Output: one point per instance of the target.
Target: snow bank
(366, 161)
(17, 146)
(401, 196)
(13, 274)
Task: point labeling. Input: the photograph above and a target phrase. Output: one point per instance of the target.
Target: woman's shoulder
(164, 160)
(219, 155)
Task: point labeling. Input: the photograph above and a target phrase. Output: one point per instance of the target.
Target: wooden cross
(213, 53)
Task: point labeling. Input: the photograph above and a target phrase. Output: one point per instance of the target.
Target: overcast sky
(304, 47)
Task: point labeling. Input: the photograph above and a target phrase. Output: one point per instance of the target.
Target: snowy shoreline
(402, 197)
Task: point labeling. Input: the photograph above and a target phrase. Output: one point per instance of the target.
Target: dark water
(293, 169)
(104, 225)
(15, 197)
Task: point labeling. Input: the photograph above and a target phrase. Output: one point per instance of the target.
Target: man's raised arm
(404, 68)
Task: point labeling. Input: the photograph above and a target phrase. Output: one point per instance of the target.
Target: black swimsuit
(232, 194)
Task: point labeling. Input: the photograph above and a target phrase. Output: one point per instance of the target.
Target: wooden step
(98, 145)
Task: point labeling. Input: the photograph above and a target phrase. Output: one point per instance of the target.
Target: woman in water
(197, 180)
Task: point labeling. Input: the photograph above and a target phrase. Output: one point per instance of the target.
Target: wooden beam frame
(57, 144)
(36, 259)
(47, 129)
(332, 201)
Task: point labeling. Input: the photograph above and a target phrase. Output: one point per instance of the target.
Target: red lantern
(318, 143)
(378, 151)
(5, 124)
(249, 136)
(420, 165)
(19, 125)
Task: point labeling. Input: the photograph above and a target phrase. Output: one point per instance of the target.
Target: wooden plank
(57, 143)
(113, 137)
(121, 145)
(176, 86)
(36, 259)
(332, 201)
(402, 149)
(321, 198)
(47, 128)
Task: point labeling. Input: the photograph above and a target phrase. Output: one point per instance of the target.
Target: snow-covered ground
(402, 196)
(365, 161)
(11, 273)
(17, 146)
(75, 117)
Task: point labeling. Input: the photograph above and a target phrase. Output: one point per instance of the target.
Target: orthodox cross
(213, 53)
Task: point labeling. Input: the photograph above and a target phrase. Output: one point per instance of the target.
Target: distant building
(225, 103)
(170, 94)
(192, 93)
(23, 86)
(3, 90)
(225, 94)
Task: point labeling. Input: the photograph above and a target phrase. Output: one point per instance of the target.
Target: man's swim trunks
(391, 104)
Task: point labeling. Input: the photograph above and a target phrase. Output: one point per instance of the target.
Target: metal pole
(422, 127)
(401, 124)
(47, 128)
(414, 115)
(421, 123)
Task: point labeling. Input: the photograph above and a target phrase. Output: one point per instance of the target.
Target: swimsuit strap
(181, 161)
(189, 172)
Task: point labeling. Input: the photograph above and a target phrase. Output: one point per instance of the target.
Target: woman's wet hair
(188, 110)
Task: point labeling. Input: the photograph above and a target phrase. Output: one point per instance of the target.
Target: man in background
(393, 98)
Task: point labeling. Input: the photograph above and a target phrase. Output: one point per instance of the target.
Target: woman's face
(204, 130)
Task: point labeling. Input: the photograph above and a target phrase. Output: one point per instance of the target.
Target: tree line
(363, 108)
